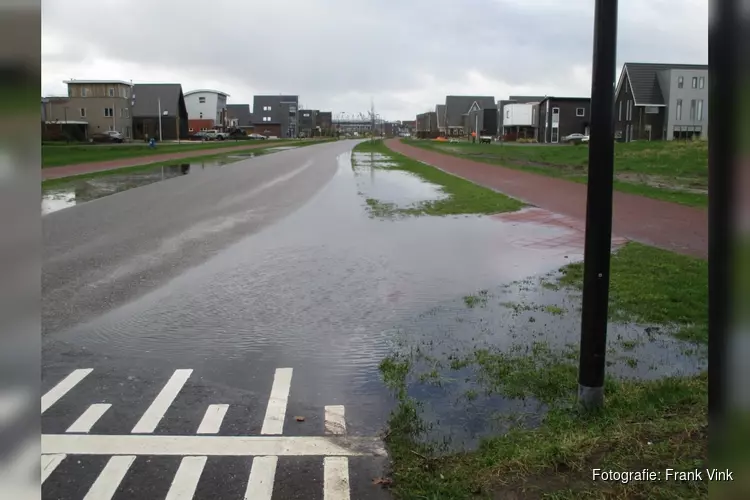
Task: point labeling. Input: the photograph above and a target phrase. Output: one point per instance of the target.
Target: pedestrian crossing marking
(334, 447)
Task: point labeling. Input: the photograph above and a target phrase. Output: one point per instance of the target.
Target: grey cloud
(327, 48)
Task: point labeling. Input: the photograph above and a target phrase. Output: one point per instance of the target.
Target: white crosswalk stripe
(333, 447)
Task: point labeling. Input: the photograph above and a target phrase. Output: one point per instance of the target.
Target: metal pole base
(590, 398)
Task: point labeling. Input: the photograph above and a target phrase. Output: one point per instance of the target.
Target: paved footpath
(87, 168)
(667, 225)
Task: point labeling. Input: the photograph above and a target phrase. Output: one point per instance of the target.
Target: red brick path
(86, 168)
(667, 225)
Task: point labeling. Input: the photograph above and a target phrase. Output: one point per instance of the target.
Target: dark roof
(240, 112)
(148, 95)
(561, 98)
(440, 110)
(456, 106)
(521, 99)
(644, 79)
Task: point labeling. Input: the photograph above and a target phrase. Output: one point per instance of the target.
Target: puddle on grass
(377, 180)
(457, 404)
(86, 189)
(333, 291)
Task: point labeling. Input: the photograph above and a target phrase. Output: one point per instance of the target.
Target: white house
(207, 109)
(520, 118)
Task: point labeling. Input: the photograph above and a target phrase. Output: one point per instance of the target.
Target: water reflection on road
(331, 292)
(77, 191)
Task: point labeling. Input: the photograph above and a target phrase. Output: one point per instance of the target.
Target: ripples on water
(330, 289)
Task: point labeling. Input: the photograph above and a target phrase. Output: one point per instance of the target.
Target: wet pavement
(239, 277)
(78, 191)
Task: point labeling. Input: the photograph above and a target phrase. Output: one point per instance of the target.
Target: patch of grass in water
(656, 424)
(555, 310)
(478, 300)
(463, 197)
(650, 285)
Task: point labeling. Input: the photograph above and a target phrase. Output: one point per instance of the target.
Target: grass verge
(60, 155)
(664, 170)
(650, 285)
(462, 196)
(62, 181)
(655, 425)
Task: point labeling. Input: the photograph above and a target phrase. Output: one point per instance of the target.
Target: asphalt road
(104, 256)
(198, 317)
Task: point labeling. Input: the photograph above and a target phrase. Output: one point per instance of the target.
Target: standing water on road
(332, 292)
(77, 191)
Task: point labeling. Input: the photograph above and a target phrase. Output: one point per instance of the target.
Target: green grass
(656, 425)
(650, 285)
(59, 155)
(463, 197)
(664, 170)
(63, 181)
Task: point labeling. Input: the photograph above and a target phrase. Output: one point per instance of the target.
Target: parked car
(108, 136)
(257, 136)
(575, 138)
(198, 136)
(216, 135)
(485, 139)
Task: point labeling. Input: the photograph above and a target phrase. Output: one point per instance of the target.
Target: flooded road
(235, 276)
(77, 191)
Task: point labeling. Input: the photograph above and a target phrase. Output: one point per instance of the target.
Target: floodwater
(398, 187)
(332, 292)
(86, 189)
(459, 408)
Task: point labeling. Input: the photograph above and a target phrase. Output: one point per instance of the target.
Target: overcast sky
(337, 55)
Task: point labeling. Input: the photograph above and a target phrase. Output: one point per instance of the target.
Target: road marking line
(335, 422)
(105, 486)
(90, 417)
(50, 463)
(335, 478)
(186, 479)
(276, 410)
(148, 422)
(61, 389)
(262, 474)
(211, 422)
(129, 444)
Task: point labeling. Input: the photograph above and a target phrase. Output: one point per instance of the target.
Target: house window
(202, 100)
(580, 111)
(83, 112)
(109, 112)
(652, 110)
(619, 111)
(680, 82)
(84, 92)
(692, 109)
(266, 118)
(702, 82)
(695, 82)
(201, 116)
(127, 112)
(700, 110)
(111, 92)
(266, 108)
(678, 115)
(507, 114)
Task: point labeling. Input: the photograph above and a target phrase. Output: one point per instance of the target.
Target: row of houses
(652, 102)
(163, 111)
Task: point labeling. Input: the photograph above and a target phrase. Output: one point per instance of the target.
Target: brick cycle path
(99, 166)
(671, 226)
